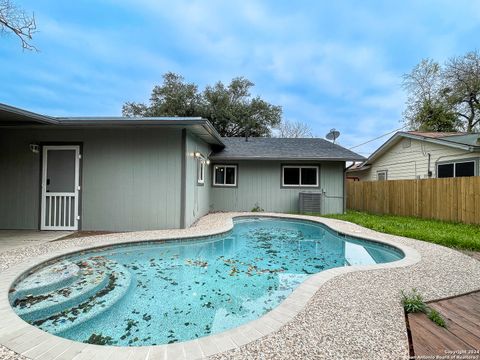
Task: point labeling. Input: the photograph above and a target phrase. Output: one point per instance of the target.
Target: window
(445, 171)
(225, 175)
(465, 169)
(200, 171)
(306, 176)
(456, 169)
(382, 175)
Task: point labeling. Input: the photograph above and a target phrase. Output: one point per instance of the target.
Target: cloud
(336, 64)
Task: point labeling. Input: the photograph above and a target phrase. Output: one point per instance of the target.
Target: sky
(331, 64)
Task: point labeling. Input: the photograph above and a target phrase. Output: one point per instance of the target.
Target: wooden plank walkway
(462, 334)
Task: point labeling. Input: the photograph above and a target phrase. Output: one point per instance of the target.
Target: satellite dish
(333, 135)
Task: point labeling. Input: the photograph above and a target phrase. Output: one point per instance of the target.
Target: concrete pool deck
(11, 239)
(342, 313)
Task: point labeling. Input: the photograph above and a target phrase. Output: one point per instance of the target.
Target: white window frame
(201, 170)
(455, 162)
(382, 172)
(225, 166)
(300, 167)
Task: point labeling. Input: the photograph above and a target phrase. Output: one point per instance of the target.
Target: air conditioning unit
(310, 202)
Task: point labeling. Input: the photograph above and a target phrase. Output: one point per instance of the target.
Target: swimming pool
(165, 292)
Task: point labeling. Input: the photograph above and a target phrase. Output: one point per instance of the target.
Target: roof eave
(382, 149)
(280, 158)
(42, 119)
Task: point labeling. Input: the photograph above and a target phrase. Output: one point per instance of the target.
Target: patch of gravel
(356, 315)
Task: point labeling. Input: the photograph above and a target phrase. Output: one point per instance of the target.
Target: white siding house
(416, 155)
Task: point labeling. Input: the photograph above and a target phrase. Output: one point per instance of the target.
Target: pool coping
(30, 341)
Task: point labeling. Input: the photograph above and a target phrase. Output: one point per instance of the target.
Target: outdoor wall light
(197, 154)
(208, 162)
(34, 148)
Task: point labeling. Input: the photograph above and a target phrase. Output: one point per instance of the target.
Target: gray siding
(259, 183)
(131, 180)
(197, 196)
(130, 177)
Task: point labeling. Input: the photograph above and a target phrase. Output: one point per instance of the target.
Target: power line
(378, 137)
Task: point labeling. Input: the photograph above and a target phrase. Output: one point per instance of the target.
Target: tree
(427, 108)
(15, 20)
(462, 87)
(297, 129)
(435, 116)
(444, 98)
(233, 112)
(173, 98)
(230, 108)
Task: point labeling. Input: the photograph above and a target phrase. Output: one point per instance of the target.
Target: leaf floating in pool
(199, 263)
(147, 317)
(99, 340)
(233, 271)
(130, 324)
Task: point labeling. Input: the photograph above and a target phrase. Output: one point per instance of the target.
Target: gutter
(43, 119)
(280, 158)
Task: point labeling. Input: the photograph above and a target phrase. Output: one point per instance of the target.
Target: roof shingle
(260, 148)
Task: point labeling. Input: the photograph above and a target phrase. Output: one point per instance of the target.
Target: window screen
(291, 176)
(382, 175)
(219, 175)
(445, 171)
(465, 169)
(230, 176)
(225, 175)
(300, 176)
(309, 176)
(200, 171)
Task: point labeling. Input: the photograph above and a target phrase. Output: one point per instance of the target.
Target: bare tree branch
(297, 129)
(16, 21)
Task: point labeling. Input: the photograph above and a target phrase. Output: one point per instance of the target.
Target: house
(421, 155)
(119, 174)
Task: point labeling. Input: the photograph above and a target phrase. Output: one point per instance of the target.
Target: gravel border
(343, 313)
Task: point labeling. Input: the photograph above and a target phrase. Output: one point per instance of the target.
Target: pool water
(165, 292)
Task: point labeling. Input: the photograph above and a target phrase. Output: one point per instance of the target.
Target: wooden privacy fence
(449, 199)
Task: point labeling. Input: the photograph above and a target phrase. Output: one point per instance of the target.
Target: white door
(60, 187)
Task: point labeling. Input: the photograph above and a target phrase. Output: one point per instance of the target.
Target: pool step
(47, 279)
(94, 277)
(118, 282)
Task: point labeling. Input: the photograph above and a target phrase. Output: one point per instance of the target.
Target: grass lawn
(459, 236)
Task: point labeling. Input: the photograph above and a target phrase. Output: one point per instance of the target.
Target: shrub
(413, 302)
(257, 208)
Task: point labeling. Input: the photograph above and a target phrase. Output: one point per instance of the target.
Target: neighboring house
(421, 155)
(118, 173)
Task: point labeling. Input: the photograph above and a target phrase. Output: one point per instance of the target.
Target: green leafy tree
(444, 98)
(230, 108)
(434, 115)
(174, 97)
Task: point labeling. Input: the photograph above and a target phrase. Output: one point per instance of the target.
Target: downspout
(429, 172)
(345, 189)
(183, 180)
